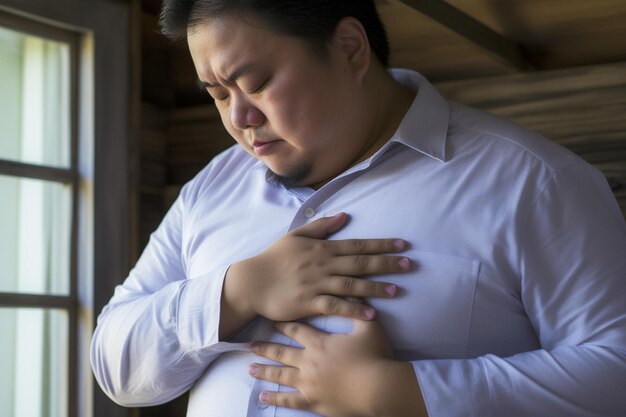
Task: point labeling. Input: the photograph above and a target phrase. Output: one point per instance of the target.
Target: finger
(284, 375)
(369, 265)
(293, 400)
(321, 228)
(300, 332)
(357, 287)
(280, 353)
(367, 246)
(329, 305)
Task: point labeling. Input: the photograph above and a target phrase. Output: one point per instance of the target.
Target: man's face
(282, 102)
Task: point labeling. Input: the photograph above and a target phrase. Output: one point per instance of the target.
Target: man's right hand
(303, 275)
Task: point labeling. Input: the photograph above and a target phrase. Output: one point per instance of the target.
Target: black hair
(312, 20)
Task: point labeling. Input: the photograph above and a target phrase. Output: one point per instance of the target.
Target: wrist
(235, 310)
(238, 289)
(393, 391)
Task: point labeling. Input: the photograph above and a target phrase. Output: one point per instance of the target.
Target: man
(481, 272)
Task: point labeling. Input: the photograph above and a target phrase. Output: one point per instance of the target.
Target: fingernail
(399, 244)
(391, 289)
(253, 369)
(264, 397)
(405, 264)
(369, 313)
(254, 348)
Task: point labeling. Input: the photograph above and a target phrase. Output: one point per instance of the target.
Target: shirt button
(309, 212)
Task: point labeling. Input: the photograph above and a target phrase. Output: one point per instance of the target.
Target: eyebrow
(232, 79)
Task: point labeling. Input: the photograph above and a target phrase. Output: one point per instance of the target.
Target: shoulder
(226, 169)
(503, 140)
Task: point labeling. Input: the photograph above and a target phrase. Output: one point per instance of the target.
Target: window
(39, 189)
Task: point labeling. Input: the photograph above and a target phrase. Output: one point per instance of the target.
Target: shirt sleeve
(159, 331)
(572, 267)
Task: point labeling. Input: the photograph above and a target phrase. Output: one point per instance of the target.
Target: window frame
(102, 65)
(67, 176)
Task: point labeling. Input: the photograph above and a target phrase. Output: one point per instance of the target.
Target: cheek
(295, 113)
(236, 134)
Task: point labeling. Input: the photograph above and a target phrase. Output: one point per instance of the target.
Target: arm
(572, 269)
(157, 333)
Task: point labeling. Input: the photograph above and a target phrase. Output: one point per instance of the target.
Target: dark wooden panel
(502, 48)
(565, 33)
(196, 135)
(153, 170)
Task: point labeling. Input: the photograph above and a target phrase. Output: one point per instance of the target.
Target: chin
(296, 176)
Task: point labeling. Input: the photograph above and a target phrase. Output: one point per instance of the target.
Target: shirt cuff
(198, 310)
(454, 388)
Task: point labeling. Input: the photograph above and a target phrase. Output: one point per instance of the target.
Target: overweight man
(366, 248)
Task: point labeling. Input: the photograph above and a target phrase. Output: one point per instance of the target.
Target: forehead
(224, 43)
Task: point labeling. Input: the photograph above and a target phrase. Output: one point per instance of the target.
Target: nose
(244, 114)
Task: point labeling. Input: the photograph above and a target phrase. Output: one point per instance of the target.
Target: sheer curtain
(37, 214)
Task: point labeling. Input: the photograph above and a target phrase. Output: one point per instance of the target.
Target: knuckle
(349, 286)
(360, 246)
(332, 305)
(319, 245)
(362, 261)
(296, 403)
(281, 352)
(354, 310)
(291, 329)
(285, 401)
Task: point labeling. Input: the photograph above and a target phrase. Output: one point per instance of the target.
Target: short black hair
(312, 20)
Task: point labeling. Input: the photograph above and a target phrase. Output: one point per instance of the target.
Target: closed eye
(260, 87)
(206, 87)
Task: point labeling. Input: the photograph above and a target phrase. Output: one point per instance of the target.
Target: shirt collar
(425, 125)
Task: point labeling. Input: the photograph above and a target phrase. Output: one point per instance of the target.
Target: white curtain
(42, 214)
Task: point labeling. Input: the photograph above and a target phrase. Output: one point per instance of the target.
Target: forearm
(150, 347)
(576, 381)
(394, 391)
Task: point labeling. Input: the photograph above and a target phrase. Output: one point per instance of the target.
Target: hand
(303, 275)
(340, 375)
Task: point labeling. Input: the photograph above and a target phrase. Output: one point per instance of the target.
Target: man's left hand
(335, 374)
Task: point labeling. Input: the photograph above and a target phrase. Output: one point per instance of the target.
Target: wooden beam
(502, 48)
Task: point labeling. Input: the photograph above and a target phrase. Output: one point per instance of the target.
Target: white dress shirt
(515, 307)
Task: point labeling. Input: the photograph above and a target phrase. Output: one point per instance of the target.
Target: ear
(351, 41)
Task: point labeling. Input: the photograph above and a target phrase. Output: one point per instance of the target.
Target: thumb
(321, 228)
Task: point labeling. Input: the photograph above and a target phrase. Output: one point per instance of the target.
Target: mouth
(264, 148)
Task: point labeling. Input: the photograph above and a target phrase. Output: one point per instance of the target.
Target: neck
(390, 102)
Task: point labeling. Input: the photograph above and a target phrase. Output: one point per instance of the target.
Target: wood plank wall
(153, 170)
